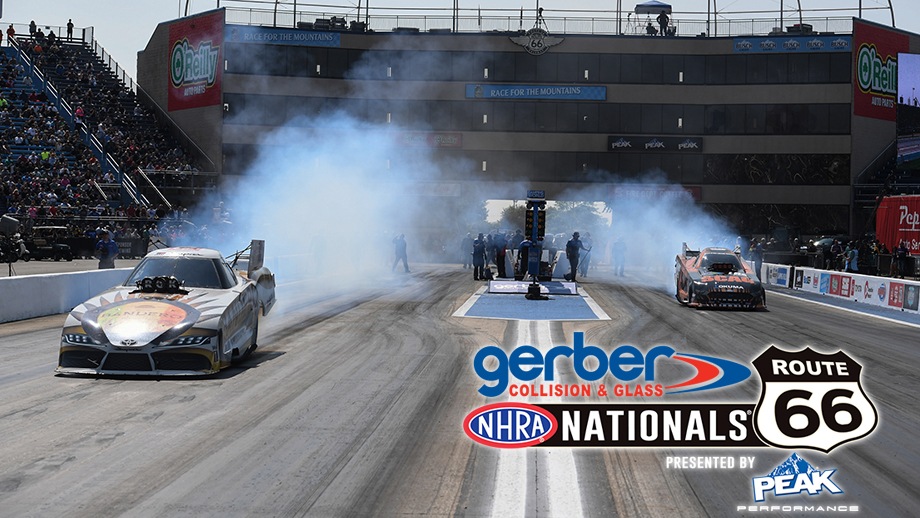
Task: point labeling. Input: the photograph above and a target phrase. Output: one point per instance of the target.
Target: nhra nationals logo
(811, 400)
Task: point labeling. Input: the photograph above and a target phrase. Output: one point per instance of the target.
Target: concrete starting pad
(516, 306)
(546, 287)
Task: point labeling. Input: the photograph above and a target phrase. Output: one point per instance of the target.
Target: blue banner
(785, 43)
(569, 92)
(276, 36)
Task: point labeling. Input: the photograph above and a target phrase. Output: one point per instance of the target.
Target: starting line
(546, 287)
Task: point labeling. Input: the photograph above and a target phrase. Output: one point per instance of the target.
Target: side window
(227, 277)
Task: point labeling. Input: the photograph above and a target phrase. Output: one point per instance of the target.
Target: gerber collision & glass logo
(626, 363)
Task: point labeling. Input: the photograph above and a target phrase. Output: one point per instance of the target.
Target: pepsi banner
(898, 221)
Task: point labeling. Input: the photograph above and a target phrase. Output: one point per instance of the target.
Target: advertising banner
(875, 81)
(281, 36)
(195, 61)
(644, 143)
(897, 220)
(865, 289)
(559, 92)
(778, 275)
(787, 43)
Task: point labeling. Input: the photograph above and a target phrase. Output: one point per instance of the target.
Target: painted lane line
(595, 307)
(561, 474)
(510, 494)
(461, 311)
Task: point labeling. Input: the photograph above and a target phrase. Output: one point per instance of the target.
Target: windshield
(711, 259)
(191, 272)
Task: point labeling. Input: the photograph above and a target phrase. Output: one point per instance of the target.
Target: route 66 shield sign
(811, 400)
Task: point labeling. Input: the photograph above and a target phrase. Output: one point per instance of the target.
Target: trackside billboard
(875, 82)
(897, 220)
(194, 61)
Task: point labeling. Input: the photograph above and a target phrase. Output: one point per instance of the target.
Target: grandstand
(79, 149)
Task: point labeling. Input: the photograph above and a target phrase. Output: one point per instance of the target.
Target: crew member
(572, 249)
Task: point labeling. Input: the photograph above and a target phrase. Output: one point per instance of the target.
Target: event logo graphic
(537, 41)
(875, 74)
(811, 400)
(793, 477)
(808, 400)
(190, 67)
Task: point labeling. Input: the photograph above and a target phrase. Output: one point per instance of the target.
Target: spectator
(32, 28)
(901, 254)
(663, 23)
(10, 35)
(106, 250)
(757, 252)
(852, 258)
(69, 29)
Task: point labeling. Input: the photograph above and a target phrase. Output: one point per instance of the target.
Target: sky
(123, 27)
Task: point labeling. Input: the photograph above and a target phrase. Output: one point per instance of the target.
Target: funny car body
(717, 278)
(182, 311)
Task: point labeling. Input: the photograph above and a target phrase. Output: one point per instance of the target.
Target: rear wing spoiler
(687, 252)
(256, 256)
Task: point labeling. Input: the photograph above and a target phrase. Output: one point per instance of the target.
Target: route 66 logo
(811, 400)
(537, 41)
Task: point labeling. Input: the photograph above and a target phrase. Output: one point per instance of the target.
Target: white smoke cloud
(653, 217)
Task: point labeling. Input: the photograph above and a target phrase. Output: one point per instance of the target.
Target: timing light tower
(535, 229)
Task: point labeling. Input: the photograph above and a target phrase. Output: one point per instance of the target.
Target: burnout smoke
(654, 218)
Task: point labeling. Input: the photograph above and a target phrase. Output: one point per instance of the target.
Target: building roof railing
(690, 24)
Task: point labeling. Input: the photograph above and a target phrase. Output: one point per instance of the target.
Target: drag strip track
(353, 406)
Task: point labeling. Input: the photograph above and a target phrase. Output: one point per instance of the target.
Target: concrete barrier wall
(30, 296)
(877, 291)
